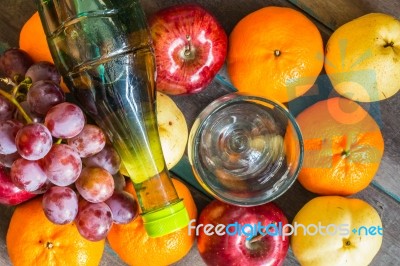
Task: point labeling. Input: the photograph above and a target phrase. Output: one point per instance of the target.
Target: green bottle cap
(166, 220)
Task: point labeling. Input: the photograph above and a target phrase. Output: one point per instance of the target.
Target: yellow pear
(172, 129)
(334, 230)
(363, 58)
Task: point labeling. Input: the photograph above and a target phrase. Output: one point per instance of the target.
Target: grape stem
(16, 103)
(27, 82)
(8, 81)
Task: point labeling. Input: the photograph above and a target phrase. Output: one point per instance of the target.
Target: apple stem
(188, 46)
(256, 238)
(389, 44)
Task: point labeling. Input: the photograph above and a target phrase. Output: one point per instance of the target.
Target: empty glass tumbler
(245, 150)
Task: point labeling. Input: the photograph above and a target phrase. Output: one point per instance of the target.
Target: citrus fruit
(343, 147)
(133, 245)
(333, 230)
(32, 39)
(362, 58)
(33, 240)
(275, 52)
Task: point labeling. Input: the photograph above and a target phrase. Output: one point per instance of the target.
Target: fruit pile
(279, 53)
(33, 239)
(47, 147)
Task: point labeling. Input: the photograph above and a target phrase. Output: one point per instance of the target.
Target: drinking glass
(245, 150)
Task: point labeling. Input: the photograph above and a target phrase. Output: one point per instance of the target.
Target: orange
(32, 40)
(343, 147)
(275, 52)
(33, 240)
(135, 247)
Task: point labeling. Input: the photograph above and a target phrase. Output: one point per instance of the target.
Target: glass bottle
(103, 50)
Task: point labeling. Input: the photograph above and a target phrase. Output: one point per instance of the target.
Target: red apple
(9, 193)
(250, 244)
(190, 48)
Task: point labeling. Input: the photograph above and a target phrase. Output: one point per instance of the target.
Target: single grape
(14, 63)
(7, 109)
(65, 120)
(94, 220)
(107, 158)
(60, 204)
(123, 206)
(43, 70)
(89, 141)
(119, 181)
(33, 141)
(43, 95)
(62, 165)
(37, 118)
(95, 184)
(8, 131)
(7, 160)
(27, 175)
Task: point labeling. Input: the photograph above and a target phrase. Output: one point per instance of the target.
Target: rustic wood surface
(383, 193)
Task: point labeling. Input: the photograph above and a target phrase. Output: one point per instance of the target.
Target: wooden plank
(332, 13)
(13, 16)
(337, 12)
(5, 216)
(228, 12)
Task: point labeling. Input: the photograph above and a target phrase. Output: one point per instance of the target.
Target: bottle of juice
(103, 50)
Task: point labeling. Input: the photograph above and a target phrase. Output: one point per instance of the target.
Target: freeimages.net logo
(281, 230)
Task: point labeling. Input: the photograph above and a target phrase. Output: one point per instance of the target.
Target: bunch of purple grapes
(50, 149)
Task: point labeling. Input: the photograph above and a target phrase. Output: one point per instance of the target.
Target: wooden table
(383, 193)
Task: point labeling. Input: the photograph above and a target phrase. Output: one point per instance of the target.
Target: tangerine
(275, 52)
(32, 40)
(343, 147)
(133, 245)
(33, 240)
